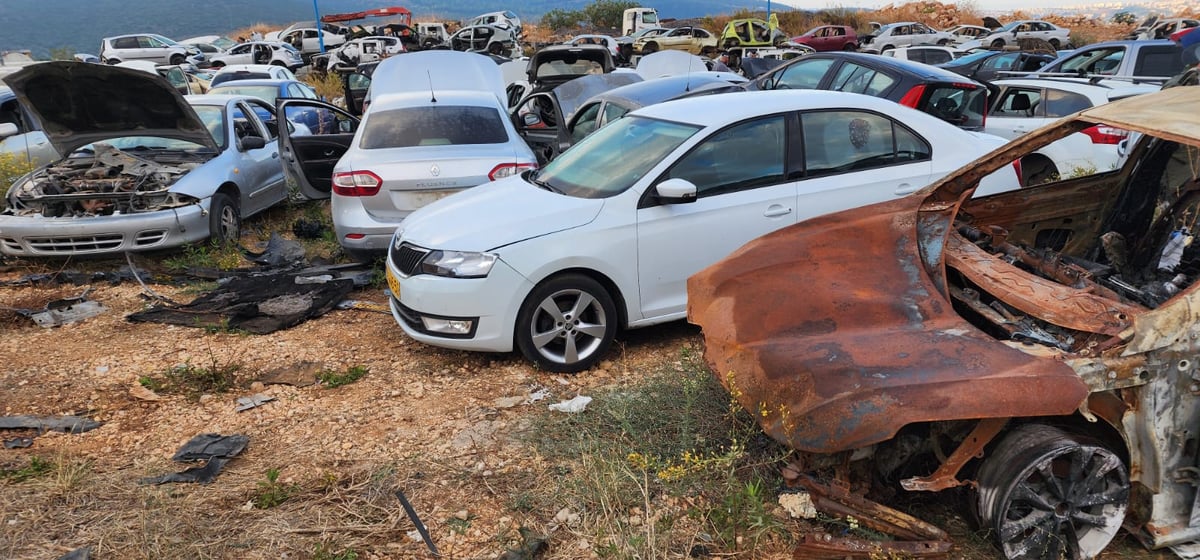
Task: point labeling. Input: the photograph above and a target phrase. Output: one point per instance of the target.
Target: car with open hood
(437, 124)
(554, 262)
(1037, 349)
(161, 172)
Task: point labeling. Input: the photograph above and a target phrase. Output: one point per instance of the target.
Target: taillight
(1020, 177)
(508, 170)
(356, 183)
(913, 97)
(1101, 134)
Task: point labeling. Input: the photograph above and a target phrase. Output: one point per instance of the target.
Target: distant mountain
(78, 25)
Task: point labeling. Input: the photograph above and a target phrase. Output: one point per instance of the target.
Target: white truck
(638, 18)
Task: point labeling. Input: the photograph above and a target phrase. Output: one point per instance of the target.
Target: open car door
(317, 136)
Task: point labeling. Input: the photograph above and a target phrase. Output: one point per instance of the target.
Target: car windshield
(438, 125)
(265, 93)
(164, 40)
(223, 42)
(1009, 27)
(972, 58)
(610, 160)
(239, 75)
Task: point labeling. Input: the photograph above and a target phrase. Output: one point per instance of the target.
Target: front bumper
(491, 302)
(31, 236)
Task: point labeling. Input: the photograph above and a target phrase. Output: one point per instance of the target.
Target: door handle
(905, 188)
(775, 210)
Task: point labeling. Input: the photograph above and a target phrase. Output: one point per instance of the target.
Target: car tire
(650, 48)
(566, 324)
(1042, 487)
(944, 42)
(278, 63)
(176, 59)
(112, 61)
(998, 44)
(224, 220)
(1037, 169)
(495, 48)
(887, 48)
(217, 65)
(1055, 43)
(850, 47)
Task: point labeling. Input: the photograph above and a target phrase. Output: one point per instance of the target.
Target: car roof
(917, 69)
(255, 82)
(719, 110)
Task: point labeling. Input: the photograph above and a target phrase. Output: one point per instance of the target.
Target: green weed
(37, 467)
(271, 492)
(331, 379)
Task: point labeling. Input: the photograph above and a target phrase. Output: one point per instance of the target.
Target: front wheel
(886, 48)
(650, 48)
(944, 42)
(1048, 494)
(224, 220)
(176, 60)
(998, 44)
(566, 324)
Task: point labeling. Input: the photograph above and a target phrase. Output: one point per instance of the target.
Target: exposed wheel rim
(568, 326)
(1068, 501)
(228, 224)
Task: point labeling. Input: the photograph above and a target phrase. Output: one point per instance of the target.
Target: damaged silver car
(1038, 347)
(144, 168)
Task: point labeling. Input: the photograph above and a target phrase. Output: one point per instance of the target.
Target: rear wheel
(224, 220)
(1054, 43)
(850, 47)
(1048, 494)
(998, 44)
(887, 48)
(495, 48)
(650, 48)
(566, 323)
(944, 42)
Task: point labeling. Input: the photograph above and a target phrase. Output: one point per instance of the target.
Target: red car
(829, 38)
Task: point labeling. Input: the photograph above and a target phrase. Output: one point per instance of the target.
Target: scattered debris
(64, 311)
(301, 374)
(253, 401)
(416, 520)
(18, 443)
(67, 424)
(308, 229)
(81, 553)
(215, 449)
(256, 304)
(509, 402)
(280, 252)
(798, 505)
(533, 545)
(575, 405)
(74, 278)
(142, 393)
(359, 305)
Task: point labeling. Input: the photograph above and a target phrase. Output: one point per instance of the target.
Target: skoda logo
(435, 170)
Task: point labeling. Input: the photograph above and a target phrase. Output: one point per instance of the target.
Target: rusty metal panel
(1171, 114)
(834, 335)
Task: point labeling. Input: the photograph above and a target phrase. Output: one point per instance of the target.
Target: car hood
(79, 103)
(867, 345)
(493, 215)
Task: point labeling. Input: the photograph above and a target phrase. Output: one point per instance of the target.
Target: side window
(310, 34)
(126, 43)
(240, 49)
(853, 78)
(1158, 61)
(934, 56)
(1001, 62)
(1017, 102)
(843, 141)
(1063, 103)
(806, 74)
(612, 112)
(748, 154)
(586, 123)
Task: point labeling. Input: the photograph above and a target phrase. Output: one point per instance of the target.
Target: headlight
(458, 264)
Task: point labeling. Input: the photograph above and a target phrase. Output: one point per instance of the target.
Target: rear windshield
(265, 93)
(440, 125)
(233, 76)
(960, 105)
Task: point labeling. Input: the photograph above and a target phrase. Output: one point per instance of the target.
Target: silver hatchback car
(437, 124)
(161, 172)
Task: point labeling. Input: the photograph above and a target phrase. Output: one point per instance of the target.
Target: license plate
(393, 284)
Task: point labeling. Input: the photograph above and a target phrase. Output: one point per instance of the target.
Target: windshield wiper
(534, 177)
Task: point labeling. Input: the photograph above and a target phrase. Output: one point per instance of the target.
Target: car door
(742, 192)
(921, 34)
(239, 54)
(1017, 111)
(539, 122)
(262, 182)
(308, 159)
(855, 157)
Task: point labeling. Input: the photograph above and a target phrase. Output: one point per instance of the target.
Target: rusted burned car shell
(876, 348)
(840, 331)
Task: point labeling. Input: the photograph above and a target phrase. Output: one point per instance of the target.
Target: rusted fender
(832, 333)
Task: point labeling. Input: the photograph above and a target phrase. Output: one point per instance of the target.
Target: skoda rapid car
(554, 262)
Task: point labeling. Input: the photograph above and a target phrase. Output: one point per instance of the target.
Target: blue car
(270, 90)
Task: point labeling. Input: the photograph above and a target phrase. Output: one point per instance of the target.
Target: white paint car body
(518, 237)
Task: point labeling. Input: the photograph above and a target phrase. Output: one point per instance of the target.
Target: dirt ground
(423, 419)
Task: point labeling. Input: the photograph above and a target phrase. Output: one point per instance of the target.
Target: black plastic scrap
(68, 424)
(65, 311)
(81, 553)
(215, 449)
(412, 516)
(258, 304)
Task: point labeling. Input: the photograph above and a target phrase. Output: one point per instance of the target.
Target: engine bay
(108, 181)
(1071, 272)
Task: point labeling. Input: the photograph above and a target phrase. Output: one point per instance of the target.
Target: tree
(559, 19)
(607, 13)
(1124, 18)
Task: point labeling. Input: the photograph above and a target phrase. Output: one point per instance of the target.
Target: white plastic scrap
(575, 405)
(799, 505)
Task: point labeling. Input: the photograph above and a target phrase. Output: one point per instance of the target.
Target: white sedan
(554, 262)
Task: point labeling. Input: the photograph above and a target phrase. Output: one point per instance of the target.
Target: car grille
(407, 258)
(152, 237)
(83, 244)
(409, 316)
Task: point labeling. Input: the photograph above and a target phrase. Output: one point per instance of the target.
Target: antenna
(432, 96)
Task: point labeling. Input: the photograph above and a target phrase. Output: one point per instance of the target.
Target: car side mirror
(530, 119)
(676, 191)
(253, 143)
(8, 129)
